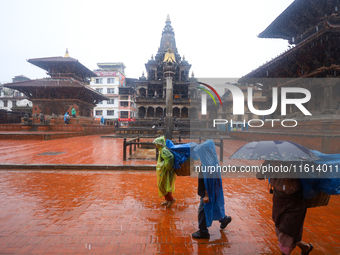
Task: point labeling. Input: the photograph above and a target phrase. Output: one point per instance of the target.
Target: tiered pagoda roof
(314, 26)
(299, 17)
(63, 65)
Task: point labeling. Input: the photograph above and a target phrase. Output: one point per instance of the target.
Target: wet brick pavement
(119, 212)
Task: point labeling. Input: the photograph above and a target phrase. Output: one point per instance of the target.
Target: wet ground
(116, 212)
(89, 150)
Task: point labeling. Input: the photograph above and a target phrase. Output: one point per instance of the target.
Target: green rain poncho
(165, 173)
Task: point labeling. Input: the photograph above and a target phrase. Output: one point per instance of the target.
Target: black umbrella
(274, 150)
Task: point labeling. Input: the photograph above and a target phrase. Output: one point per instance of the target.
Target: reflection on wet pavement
(69, 212)
(91, 150)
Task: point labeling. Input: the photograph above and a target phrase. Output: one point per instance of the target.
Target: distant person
(102, 121)
(66, 118)
(73, 112)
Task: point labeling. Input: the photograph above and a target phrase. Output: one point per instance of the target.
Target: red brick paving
(115, 212)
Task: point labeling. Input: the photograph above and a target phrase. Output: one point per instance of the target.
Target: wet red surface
(89, 150)
(116, 212)
(64, 212)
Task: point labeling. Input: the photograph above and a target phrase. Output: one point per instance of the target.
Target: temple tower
(151, 90)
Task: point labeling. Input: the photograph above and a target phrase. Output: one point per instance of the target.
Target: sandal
(170, 203)
(310, 249)
(165, 203)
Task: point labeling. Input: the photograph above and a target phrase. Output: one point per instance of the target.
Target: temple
(66, 88)
(151, 90)
(312, 30)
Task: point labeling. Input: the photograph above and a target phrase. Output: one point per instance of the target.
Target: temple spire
(66, 54)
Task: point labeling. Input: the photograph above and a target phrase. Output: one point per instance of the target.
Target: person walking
(289, 211)
(210, 190)
(165, 173)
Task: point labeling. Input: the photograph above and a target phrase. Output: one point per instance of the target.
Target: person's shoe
(170, 203)
(225, 222)
(310, 249)
(200, 235)
(165, 203)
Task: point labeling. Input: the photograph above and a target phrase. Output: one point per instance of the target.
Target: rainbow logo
(208, 92)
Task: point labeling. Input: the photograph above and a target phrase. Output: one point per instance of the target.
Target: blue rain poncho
(181, 152)
(214, 210)
(330, 181)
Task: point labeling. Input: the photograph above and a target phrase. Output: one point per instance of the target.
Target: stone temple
(151, 90)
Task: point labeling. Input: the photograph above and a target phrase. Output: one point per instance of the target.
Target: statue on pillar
(169, 57)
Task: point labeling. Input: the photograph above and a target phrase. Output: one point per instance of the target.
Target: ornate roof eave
(45, 63)
(267, 65)
(298, 17)
(53, 83)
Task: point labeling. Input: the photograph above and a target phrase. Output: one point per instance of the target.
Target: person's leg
(306, 248)
(171, 200)
(202, 224)
(169, 197)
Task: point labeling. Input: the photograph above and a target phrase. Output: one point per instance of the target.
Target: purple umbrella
(274, 150)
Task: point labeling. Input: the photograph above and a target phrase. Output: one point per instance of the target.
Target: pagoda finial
(183, 57)
(151, 56)
(66, 54)
(192, 74)
(168, 18)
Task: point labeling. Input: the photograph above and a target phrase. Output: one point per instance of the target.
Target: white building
(10, 98)
(110, 77)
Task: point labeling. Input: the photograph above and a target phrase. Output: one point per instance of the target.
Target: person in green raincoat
(165, 173)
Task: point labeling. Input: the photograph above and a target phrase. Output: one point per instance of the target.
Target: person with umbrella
(289, 206)
(289, 210)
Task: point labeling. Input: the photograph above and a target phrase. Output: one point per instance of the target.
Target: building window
(5, 103)
(124, 97)
(101, 102)
(14, 103)
(110, 80)
(110, 91)
(124, 114)
(110, 112)
(99, 81)
(124, 103)
(100, 90)
(99, 112)
(17, 94)
(111, 101)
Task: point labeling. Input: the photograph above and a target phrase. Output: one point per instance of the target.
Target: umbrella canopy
(274, 150)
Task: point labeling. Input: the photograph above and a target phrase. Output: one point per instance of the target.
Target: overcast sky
(219, 38)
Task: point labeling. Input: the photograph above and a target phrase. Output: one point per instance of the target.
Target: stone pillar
(169, 73)
(327, 96)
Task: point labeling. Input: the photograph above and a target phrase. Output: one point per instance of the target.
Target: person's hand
(206, 199)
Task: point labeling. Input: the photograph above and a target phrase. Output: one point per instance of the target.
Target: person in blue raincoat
(66, 118)
(210, 190)
(102, 120)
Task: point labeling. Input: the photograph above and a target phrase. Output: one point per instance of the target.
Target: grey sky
(219, 38)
